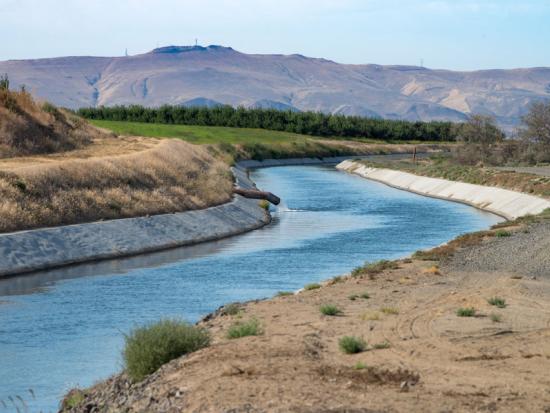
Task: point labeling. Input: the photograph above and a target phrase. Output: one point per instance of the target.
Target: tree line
(307, 123)
(484, 143)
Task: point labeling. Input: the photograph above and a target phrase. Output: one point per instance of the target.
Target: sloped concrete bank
(46, 248)
(503, 202)
(41, 249)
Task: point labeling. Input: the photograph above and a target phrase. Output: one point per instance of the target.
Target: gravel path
(526, 253)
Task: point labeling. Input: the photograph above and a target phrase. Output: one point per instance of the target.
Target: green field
(200, 134)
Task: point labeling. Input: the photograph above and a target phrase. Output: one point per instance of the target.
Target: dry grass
(172, 176)
(447, 169)
(28, 127)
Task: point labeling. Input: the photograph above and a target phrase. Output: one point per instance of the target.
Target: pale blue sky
(452, 34)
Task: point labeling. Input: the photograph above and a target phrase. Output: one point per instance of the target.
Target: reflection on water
(63, 327)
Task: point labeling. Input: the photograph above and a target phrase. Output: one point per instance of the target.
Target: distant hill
(220, 75)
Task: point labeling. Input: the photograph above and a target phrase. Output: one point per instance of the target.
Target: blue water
(63, 328)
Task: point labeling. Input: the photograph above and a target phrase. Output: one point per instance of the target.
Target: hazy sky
(453, 34)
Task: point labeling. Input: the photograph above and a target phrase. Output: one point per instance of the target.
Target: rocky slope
(215, 74)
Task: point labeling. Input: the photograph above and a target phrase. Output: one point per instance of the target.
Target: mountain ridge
(179, 74)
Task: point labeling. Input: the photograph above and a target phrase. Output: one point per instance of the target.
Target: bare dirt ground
(428, 358)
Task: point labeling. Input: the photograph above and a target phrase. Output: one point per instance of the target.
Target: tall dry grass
(28, 127)
(172, 176)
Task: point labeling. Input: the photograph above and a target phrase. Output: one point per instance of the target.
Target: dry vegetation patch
(170, 177)
(28, 127)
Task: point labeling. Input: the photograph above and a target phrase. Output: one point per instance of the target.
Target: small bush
(374, 268)
(353, 297)
(243, 329)
(337, 279)
(466, 312)
(284, 293)
(329, 309)
(502, 233)
(231, 309)
(149, 347)
(497, 302)
(495, 318)
(381, 346)
(4, 82)
(389, 310)
(371, 316)
(365, 296)
(73, 398)
(352, 345)
(312, 286)
(360, 366)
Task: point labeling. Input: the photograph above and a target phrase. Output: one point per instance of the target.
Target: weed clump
(284, 293)
(466, 312)
(360, 366)
(497, 302)
(312, 286)
(389, 310)
(73, 399)
(372, 269)
(501, 233)
(243, 329)
(495, 318)
(330, 310)
(352, 345)
(381, 346)
(231, 309)
(149, 347)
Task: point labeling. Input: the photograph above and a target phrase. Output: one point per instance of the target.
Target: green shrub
(466, 312)
(360, 366)
(365, 296)
(72, 399)
(352, 345)
(284, 293)
(4, 82)
(329, 309)
(496, 318)
(353, 297)
(497, 302)
(245, 328)
(502, 233)
(337, 279)
(381, 346)
(389, 310)
(312, 286)
(231, 309)
(374, 268)
(149, 347)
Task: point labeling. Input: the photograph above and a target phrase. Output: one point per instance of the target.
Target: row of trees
(484, 142)
(309, 123)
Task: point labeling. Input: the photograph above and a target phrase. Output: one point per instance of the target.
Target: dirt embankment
(112, 178)
(57, 169)
(422, 356)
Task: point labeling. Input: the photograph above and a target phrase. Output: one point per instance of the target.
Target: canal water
(64, 328)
